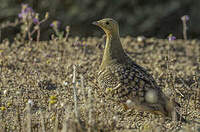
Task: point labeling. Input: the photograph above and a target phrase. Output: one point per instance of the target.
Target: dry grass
(38, 86)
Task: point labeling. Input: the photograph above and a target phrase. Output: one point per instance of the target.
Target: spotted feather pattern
(126, 81)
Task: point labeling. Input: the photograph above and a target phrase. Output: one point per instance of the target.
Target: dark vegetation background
(156, 18)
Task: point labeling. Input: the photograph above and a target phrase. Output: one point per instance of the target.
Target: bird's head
(109, 25)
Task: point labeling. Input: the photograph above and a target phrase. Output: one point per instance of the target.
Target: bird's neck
(113, 50)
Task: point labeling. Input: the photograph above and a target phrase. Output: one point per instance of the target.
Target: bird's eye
(107, 23)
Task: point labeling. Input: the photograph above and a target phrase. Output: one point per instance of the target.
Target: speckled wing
(142, 74)
(126, 81)
(120, 80)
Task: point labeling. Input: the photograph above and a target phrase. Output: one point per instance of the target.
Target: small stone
(30, 102)
(141, 39)
(65, 83)
(5, 92)
(129, 103)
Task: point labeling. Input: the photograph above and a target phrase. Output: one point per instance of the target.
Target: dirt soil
(36, 85)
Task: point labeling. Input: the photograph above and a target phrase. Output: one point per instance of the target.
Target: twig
(184, 30)
(67, 32)
(83, 88)
(65, 121)
(37, 27)
(184, 19)
(42, 121)
(75, 92)
(56, 124)
(28, 109)
(19, 119)
(9, 24)
(38, 35)
(90, 121)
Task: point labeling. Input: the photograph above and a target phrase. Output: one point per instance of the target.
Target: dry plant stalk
(67, 29)
(184, 30)
(29, 116)
(90, 121)
(8, 24)
(184, 19)
(19, 119)
(56, 124)
(65, 121)
(83, 88)
(75, 92)
(42, 122)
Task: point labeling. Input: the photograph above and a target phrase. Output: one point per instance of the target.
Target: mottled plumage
(125, 81)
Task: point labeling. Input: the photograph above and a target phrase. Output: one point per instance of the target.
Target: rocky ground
(38, 79)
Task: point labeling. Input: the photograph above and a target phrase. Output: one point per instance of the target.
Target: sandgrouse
(127, 81)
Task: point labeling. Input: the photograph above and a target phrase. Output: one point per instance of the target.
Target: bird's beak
(95, 23)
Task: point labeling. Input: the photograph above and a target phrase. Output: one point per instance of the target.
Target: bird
(127, 82)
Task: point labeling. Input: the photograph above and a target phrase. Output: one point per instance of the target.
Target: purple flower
(26, 11)
(29, 10)
(20, 15)
(171, 38)
(35, 20)
(185, 18)
(55, 24)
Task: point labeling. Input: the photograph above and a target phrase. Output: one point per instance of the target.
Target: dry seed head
(2, 108)
(46, 15)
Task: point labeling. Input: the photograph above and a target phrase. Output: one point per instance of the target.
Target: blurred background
(150, 18)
